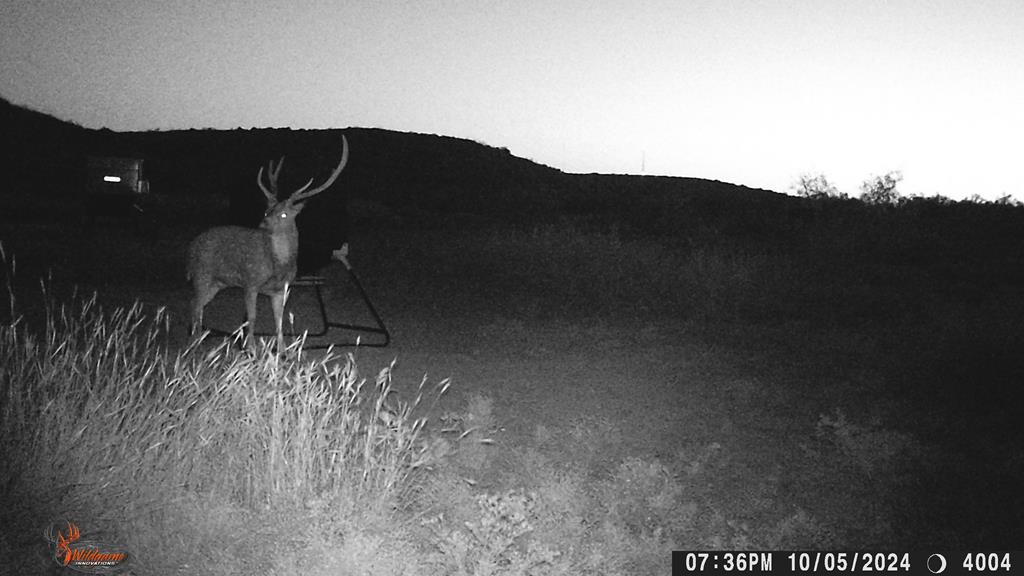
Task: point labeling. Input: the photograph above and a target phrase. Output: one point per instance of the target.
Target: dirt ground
(638, 382)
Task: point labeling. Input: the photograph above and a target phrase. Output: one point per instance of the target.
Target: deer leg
(277, 301)
(204, 292)
(197, 315)
(250, 313)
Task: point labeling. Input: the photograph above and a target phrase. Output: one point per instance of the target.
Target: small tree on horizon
(816, 186)
(881, 190)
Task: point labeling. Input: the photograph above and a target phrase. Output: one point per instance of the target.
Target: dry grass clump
(105, 426)
(96, 399)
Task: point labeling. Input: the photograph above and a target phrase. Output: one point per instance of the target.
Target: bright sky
(751, 92)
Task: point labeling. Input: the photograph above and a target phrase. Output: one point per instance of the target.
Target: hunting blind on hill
(116, 176)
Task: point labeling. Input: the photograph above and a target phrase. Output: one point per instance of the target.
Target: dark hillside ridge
(396, 169)
(428, 181)
(39, 150)
(423, 179)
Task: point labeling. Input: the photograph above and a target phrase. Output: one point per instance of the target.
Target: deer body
(259, 260)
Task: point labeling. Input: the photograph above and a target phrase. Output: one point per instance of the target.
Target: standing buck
(257, 260)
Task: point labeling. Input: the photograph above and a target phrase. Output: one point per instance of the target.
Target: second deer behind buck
(258, 260)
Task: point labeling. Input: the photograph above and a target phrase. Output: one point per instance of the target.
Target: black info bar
(861, 562)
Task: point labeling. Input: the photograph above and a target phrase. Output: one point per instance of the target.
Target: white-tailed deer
(257, 260)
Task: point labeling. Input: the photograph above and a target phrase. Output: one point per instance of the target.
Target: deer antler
(302, 194)
(272, 172)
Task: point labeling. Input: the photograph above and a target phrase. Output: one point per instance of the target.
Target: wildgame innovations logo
(87, 555)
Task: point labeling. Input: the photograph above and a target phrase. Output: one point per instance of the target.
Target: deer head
(284, 211)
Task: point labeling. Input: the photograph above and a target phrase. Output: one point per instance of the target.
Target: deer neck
(284, 245)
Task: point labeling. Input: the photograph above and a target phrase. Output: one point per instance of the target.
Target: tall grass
(102, 422)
